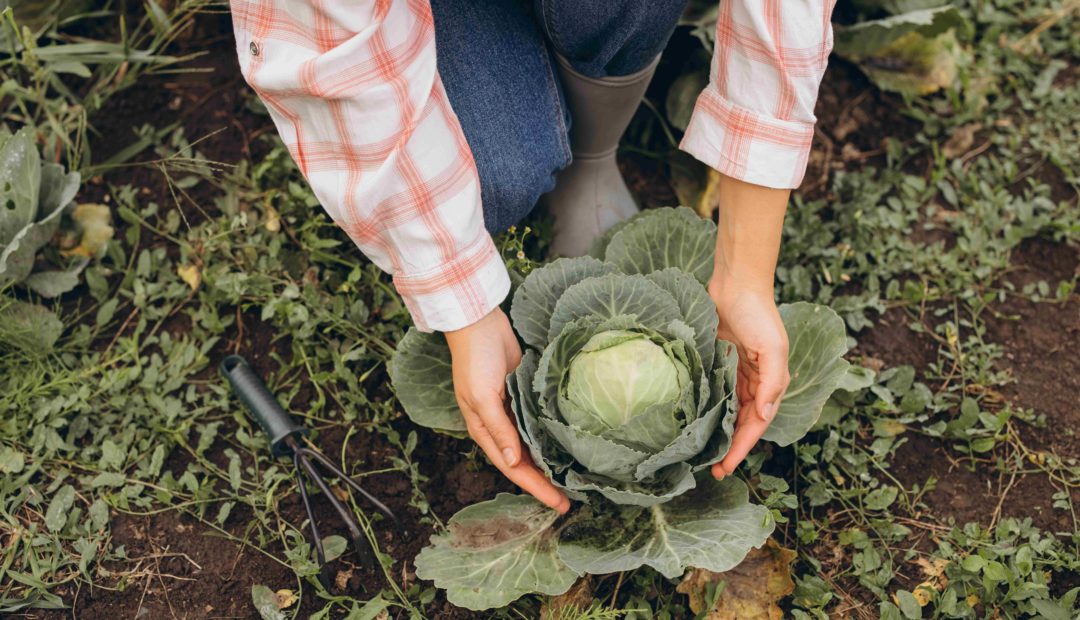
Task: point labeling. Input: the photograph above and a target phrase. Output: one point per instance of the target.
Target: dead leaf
(850, 152)
(578, 597)
(273, 219)
(285, 599)
(873, 363)
(341, 580)
(932, 568)
(960, 141)
(709, 200)
(924, 593)
(339, 492)
(191, 275)
(751, 590)
(94, 225)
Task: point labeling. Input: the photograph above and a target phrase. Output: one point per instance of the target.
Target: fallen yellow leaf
(924, 593)
(273, 220)
(284, 599)
(191, 275)
(94, 223)
(709, 200)
(751, 590)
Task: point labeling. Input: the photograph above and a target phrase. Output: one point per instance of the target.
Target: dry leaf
(960, 141)
(709, 200)
(340, 493)
(285, 599)
(94, 223)
(578, 597)
(924, 593)
(190, 274)
(341, 580)
(751, 590)
(273, 219)
(932, 568)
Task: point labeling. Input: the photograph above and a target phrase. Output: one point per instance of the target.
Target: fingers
(773, 380)
(748, 430)
(525, 474)
(491, 410)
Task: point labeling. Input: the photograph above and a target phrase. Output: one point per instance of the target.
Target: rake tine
(307, 508)
(359, 541)
(328, 464)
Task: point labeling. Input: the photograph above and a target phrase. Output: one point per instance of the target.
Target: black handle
(267, 411)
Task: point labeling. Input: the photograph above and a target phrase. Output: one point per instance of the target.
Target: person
(423, 126)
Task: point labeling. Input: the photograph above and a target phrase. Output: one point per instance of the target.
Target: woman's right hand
(482, 355)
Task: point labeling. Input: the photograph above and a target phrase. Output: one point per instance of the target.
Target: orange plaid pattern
(353, 89)
(755, 120)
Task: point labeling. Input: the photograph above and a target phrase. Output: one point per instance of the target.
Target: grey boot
(590, 195)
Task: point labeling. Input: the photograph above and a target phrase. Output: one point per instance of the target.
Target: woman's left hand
(750, 320)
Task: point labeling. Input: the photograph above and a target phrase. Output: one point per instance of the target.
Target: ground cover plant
(942, 228)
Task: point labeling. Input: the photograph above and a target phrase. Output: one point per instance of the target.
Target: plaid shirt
(353, 89)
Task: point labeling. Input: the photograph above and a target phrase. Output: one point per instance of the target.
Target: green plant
(624, 398)
(33, 195)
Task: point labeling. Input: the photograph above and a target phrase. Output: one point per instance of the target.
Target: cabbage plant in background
(33, 197)
(624, 398)
(913, 50)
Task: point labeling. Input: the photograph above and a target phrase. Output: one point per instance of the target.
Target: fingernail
(509, 457)
(770, 411)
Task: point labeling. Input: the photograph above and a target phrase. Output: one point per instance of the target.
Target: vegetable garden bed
(952, 481)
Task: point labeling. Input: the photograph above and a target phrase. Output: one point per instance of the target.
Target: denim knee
(604, 38)
(510, 191)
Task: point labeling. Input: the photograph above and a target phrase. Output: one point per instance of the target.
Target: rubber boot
(590, 195)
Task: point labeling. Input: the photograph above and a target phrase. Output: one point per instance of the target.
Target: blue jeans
(495, 60)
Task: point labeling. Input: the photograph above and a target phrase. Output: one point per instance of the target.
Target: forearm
(355, 94)
(748, 236)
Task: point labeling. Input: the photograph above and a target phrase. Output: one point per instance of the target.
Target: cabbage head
(624, 398)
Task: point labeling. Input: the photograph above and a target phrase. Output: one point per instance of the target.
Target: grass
(126, 417)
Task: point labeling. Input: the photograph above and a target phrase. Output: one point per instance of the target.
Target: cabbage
(33, 196)
(624, 398)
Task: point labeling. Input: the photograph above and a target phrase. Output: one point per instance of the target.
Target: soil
(185, 569)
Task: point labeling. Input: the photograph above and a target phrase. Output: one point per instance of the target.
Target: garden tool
(286, 440)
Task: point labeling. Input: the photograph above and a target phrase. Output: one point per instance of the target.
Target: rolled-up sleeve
(755, 119)
(354, 91)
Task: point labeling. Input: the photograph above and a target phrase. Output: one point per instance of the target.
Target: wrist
(457, 337)
(726, 284)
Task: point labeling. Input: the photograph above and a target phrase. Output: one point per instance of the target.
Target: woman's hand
(482, 355)
(751, 321)
(747, 243)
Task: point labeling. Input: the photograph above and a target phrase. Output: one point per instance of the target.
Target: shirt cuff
(747, 145)
(458, 293)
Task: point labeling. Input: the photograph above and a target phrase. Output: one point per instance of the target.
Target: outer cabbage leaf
(596, 454)
(818, 342)
(697, 308)
(612, 295)
(423, 380)
(32, 199)
(666, 485)
(547, 455)
(700, 437)
(496, 551)
(914, 53)
(534, 301)
(20, 181)
(661, 238)
(713, 526)
(28, 327)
